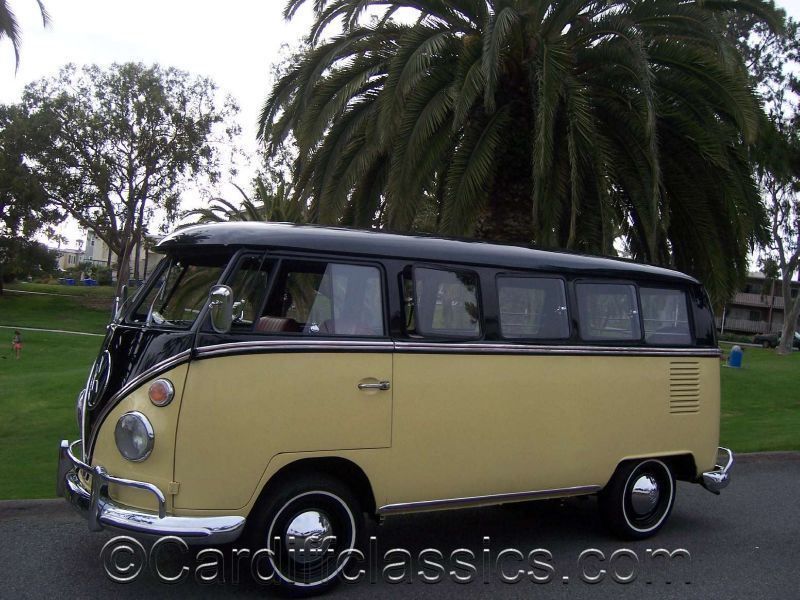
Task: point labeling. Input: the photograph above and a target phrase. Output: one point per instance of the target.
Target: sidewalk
(9, 291)
(51, 330)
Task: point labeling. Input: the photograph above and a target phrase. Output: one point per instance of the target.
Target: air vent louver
(684, 387)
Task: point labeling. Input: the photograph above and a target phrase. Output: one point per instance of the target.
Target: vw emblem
(99, 378)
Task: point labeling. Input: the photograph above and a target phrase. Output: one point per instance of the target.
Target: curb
(751, 457)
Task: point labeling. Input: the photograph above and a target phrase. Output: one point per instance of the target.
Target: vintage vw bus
(281, 381)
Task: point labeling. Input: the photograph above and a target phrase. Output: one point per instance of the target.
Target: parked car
(771, 340)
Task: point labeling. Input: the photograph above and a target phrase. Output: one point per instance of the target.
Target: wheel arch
(343, 469)
(682, 465)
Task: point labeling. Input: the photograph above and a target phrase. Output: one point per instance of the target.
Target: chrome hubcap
(308, 536)
(644, 495)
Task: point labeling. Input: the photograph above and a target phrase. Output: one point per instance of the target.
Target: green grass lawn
(37, 407)
(98, 291)
(761, 402)
(84, 313)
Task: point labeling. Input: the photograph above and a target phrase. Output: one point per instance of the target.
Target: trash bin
(735, 358)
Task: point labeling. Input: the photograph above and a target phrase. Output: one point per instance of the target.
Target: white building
(97, 252)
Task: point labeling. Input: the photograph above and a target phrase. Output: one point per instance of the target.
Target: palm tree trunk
(507, 216)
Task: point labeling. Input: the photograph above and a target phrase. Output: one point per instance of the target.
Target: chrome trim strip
(156, 369)
(718, 479)
(444, 348)
(404, 507)
(291, 345)
(505, 348)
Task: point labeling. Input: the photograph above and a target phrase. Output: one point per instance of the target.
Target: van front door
(310, 373)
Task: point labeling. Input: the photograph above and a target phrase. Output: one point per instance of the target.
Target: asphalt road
(743, 544)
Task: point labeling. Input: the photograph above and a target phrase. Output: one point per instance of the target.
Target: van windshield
(176, 296)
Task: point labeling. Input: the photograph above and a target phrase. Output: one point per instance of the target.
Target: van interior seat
(276, 324)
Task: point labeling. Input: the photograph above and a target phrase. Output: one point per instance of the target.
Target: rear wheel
(638, 499)
(309, 525)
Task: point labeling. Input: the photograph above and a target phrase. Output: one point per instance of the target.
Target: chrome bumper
(102, 512)
(720, 477)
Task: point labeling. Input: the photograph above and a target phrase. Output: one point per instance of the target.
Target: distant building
(68, 258)
(757, 308)
(97, 252)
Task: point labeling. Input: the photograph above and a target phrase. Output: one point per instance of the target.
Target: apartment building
(757, 308)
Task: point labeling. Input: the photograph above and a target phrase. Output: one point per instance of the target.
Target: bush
(103, 275)
(735, 338)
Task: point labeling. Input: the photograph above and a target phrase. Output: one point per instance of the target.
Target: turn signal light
(161, 392)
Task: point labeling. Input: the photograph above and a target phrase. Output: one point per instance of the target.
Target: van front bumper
(718, 479)
(96, 506)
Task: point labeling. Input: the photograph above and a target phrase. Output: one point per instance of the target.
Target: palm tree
(558, 122)
(10, 28)
(278, 205)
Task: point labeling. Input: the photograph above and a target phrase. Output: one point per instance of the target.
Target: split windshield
(178, 292)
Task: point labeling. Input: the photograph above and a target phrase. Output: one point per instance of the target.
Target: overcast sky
(234, 43)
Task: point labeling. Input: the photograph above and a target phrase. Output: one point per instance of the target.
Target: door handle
(381, 385)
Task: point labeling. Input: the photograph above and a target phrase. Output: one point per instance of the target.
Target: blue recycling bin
(735, 358)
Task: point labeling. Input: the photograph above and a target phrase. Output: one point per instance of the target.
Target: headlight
(161, 392)
(134, 436)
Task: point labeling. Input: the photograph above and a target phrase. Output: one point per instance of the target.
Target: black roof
(333, 240)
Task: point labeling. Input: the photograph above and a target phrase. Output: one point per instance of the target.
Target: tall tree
(773, 59)
(562, 123)
(24, 208)
(9, 27)
(115, 145)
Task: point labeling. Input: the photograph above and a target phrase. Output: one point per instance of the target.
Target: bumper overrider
(102, 512)
(718, 479)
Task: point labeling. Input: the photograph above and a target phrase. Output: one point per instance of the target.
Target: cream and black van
(278, 382)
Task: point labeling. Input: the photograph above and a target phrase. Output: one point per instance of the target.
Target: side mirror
(220, 305)
(119, 302)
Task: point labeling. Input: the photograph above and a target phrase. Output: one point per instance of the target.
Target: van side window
(532, 308)
(665, 316)
(445, 303)
(319, 298)
(249, 285)
(608, 311)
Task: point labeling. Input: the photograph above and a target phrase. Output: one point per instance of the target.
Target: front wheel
(309, 528)
(638, 499)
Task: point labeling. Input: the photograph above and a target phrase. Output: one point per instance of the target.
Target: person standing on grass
(16, 343)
